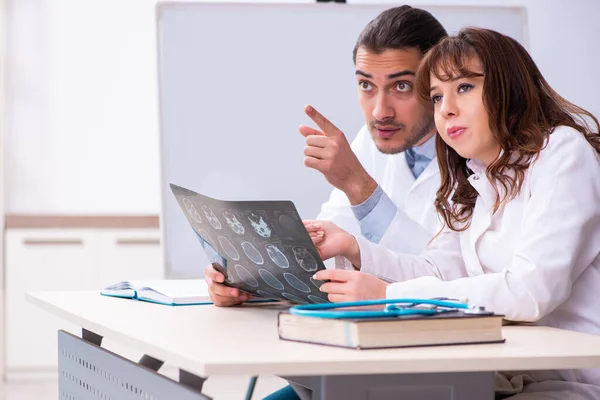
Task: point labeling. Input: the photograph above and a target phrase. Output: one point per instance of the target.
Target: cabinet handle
(137, 242)
(53, 242)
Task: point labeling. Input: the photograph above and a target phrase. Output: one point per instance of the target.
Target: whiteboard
(233, 82)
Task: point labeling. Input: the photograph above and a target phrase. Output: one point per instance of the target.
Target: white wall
(81, 129)
(2, 195)
(81, 118)
(81, 122)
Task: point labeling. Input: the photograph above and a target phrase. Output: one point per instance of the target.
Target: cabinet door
(42, 260)
(129, 254)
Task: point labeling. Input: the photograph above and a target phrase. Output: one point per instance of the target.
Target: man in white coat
(387, 179)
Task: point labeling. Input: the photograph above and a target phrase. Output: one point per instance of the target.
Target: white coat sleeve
(441, 260)
(405, 235)
(559, 239)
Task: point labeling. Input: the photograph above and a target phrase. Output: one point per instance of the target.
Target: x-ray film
(261, 247)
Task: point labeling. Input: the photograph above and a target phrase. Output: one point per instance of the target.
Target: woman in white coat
(520, 201)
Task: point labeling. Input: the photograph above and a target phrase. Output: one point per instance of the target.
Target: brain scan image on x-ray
(233, 222)
(316, 299)
(246, 276)
(296, 283)
(229, 249)
(277, 256)
(293, 298)
(304, 258)
(211, 217)
(287, 222)
(192, 210)
(268, 295)
(270, 279)
(294, 229)
(253, 254)
(259, 225)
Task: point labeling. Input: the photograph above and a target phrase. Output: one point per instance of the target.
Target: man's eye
(364, 85)
(403, 87)
(436, 98)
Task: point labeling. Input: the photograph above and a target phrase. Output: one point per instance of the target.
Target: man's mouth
(386, 132)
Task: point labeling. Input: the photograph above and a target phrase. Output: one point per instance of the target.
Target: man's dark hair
(400, 28)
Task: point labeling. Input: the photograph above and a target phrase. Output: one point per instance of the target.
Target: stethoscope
(393, 308)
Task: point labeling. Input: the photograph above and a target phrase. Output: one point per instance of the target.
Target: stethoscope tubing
(395, 307)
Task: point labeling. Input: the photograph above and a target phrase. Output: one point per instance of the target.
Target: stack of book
(445, 328)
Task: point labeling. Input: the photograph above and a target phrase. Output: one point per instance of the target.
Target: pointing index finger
(326, 126)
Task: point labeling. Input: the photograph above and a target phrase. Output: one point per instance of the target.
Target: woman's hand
(351, 285)
(332, 241)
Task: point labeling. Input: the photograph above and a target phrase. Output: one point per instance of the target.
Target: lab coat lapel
(482, 213)
(430, 172)
(398, 182)
(480, 222)
(481, 218)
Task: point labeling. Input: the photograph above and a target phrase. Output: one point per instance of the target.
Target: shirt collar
(427, 149)
(476, 166)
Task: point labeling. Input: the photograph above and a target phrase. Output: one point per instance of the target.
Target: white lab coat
(535, 259)
(416, 221)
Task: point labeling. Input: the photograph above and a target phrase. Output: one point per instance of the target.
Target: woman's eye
(403, 87)
(436, 98)
(464, 87)
(364, 85)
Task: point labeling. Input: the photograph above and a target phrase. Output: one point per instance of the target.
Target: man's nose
(383, 109)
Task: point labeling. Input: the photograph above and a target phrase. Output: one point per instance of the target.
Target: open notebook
(173, 292)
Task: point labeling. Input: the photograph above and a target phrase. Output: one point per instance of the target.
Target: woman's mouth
(455, 132)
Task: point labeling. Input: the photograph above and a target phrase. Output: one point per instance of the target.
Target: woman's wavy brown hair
(523, 111)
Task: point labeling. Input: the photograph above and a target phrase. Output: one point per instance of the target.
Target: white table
(205, 340)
